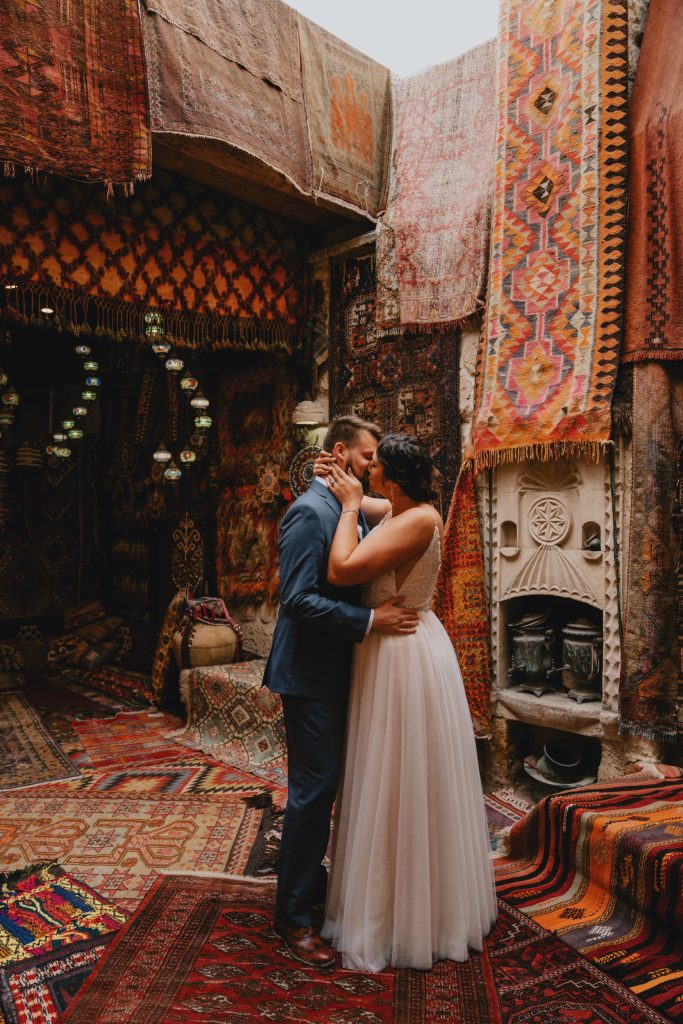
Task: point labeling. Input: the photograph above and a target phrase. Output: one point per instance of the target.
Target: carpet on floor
(119, 844)
(131, 737)
(28, 754)
(39, 989)
(194, 773)
(601, 867)
(43, 908)
(203, 949)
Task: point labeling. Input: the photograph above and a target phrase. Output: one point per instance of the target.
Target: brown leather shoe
(306, 946)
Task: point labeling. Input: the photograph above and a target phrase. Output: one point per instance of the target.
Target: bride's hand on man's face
(321, 466)
(347, 488)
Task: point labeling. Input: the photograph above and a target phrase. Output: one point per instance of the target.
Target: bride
(411, 879)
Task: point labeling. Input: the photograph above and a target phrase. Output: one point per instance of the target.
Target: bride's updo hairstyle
(407, 462)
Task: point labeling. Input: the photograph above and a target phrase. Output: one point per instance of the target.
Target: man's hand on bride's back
(393, 618)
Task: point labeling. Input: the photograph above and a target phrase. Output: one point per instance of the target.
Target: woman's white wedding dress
(411, 878)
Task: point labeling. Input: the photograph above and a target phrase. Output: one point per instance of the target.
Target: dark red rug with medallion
(202, 949)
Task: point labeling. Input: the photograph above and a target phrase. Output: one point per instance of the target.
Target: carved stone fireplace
(553, 573)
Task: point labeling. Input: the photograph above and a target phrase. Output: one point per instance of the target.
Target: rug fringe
(224, 875)
(543, 451)
(119, 320)
(10, 878)
(652, 356)
(648, 732)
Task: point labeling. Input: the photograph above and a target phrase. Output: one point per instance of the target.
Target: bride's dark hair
(407, 462)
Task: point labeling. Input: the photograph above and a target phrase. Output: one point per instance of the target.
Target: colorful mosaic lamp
(173, 472)
(162, 454)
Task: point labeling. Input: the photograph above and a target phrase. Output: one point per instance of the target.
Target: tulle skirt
(411, 878)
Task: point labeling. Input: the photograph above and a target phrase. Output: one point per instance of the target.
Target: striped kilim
(601, 868)
(548, 363)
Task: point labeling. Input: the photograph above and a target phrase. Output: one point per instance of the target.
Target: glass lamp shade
(154, 324)
(202, 422)
(4, 378)
(199, 401)
(162, 454)
(50, 449)
(68, 424)
(11, 398)
(6, 418)
(59, 437)
(91, 366)
(173, 472)
(187, 456)
(48, 310)
(11, 287)
(161, 347)
(80, 410)
(93, 382)
(88, 395)
(83, 350)
(174, 365)
(62, 453)
(75, 434)
(188, 383)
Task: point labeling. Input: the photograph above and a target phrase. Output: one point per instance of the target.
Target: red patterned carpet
(202, 949)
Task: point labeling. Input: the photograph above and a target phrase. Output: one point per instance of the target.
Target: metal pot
(533, 642)
(582, 653)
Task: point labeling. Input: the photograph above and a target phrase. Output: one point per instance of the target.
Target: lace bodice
(418, 587)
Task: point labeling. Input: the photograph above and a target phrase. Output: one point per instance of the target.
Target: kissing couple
(372, 692)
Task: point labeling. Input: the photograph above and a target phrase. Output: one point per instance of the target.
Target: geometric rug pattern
(202, 949)
(118, 845)
(549, 354)
(601, 868)
(28, 754)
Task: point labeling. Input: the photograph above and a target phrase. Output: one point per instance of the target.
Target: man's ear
(339, 452)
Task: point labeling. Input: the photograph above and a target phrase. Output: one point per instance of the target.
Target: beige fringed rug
(28, 754)
(433, 239)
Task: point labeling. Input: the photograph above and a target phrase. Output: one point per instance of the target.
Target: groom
(310, 667)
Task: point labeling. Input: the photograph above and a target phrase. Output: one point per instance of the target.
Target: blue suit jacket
(317, 623)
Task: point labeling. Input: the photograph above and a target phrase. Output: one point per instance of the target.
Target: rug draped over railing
(432, 243)
(651, 652)
(216, 74)
(548, 361)
(222, 274)
(654, 272)
(256, 448)
(601, 868)
(73, 97)
(348, 111)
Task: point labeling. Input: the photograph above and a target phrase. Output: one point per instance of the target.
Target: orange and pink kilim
(548, 359)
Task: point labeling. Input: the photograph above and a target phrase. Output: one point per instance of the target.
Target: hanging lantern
(161, 347)
(83, 350)
(6, 418)
(50, 449)
(199, 401)
(202, 422)
(11, 398)
(187, 456)
(4, 378)
(162, 454)
(188, 383)
(93, 382)
(11, 287)
(173, 472)
(75, 434)
(174, 365)
(80, 410)
(88, 396)
(47, 310)
(91, 366)
(68, 424)
(154, 324)
(62, 453)
(59, 437)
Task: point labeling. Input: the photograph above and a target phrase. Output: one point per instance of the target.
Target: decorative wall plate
(301, 469)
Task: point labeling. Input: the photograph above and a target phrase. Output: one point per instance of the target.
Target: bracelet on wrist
(356, 510)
